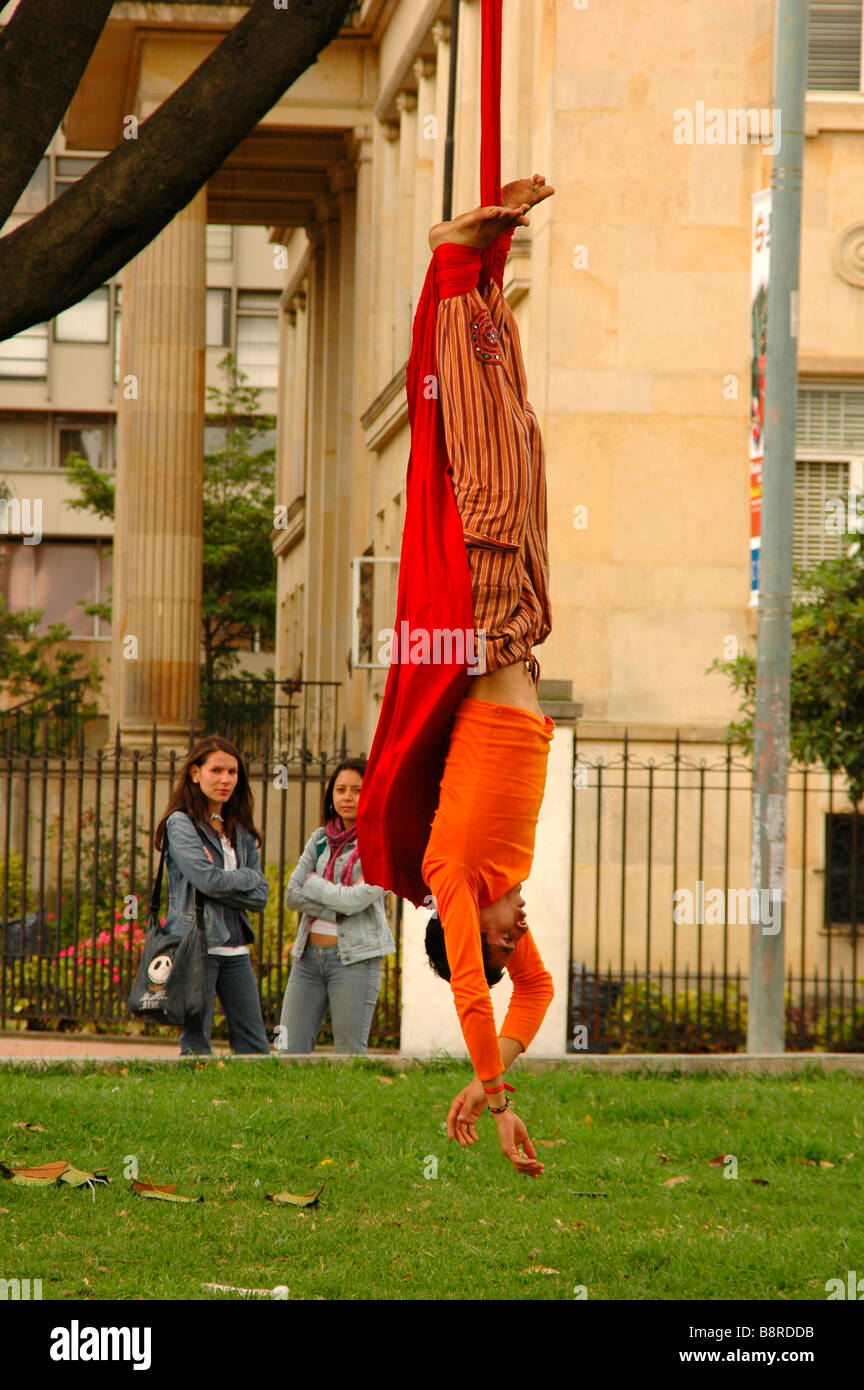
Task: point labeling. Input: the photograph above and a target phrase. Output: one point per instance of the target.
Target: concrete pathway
(61, 1047)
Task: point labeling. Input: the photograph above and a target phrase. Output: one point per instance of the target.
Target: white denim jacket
(356, 908)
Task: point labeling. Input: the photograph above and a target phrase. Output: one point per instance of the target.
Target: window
(93, 438)
(218, 318)
(118, 314)
(23, 442)
(365, 644)
(35, 195)
(53, 576)
(68, 169)
(844, 871)
(834, 46)
(86, 321)
(829, 472)
(220, 242)
(26, 355)
(216, 434)
(258, 336)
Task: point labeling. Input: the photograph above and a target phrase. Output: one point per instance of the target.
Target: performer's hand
(512, 1135)
(468, 1106)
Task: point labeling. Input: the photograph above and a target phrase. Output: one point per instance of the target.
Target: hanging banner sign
(760, 261)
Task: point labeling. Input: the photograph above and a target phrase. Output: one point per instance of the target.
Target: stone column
(349, 492)
(427, 138)
(357, 475)
(406, 103)
(316, 405)
(441, 35)
(466, 145)
(381, 324)
(156, 641)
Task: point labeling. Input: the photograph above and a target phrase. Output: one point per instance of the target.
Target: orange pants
(481, 845)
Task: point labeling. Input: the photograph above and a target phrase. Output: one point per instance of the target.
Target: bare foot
(480, 227)
(531, 191)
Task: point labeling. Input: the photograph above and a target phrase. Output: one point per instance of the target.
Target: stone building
(631, 289)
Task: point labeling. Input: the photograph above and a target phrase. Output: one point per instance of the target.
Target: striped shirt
(496, 457)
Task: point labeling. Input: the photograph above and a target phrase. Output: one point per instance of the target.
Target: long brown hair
(187, 795)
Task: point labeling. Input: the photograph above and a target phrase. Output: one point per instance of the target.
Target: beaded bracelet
(499, 1110)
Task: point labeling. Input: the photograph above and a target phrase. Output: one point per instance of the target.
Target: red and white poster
(760, 260)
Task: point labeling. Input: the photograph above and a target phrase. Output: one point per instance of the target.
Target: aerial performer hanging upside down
(457, 770)
(449, 804)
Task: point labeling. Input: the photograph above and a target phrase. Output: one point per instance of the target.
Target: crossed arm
(307, 891)
(244, 888)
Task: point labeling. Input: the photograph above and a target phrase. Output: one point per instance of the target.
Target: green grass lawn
(233, 1131)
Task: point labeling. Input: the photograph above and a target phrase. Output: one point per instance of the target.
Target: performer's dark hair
(328, 810)
(437, 953)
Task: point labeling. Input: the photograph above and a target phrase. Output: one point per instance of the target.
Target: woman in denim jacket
(343, 931)
(213, 846)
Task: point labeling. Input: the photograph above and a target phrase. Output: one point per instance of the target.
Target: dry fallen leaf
(218, 1102)
(291, 1199)
(323, 1161)
(664, 1158)
(388, 1080)
(824, 1163)
(761, 1182)
(42, 1176)
(236, 1146)
(670, 1182)
(76, 1177)
(26, 1124)
(719, 1160)
(811, 1163)
(162, 1193)
(540, 1269)
(549, 1143)
(588, 1120)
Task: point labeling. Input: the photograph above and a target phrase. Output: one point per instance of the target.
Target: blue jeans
(319, 978)
(233, 979)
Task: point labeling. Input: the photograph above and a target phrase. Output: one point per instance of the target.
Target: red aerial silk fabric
(406, 762)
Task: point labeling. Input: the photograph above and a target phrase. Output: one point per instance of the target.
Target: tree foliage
(827, 672)
(238, 565)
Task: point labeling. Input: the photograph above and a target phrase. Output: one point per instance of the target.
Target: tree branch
(34, 93)
(111, 214)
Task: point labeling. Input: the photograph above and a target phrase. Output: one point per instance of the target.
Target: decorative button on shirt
(485, 339)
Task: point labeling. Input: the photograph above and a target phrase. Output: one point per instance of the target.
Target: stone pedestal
(156, 639)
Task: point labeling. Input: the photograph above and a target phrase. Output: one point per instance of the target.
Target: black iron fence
(50, 722)
(660, 902)
(662, 911)
(286, 720)
(77, 861)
